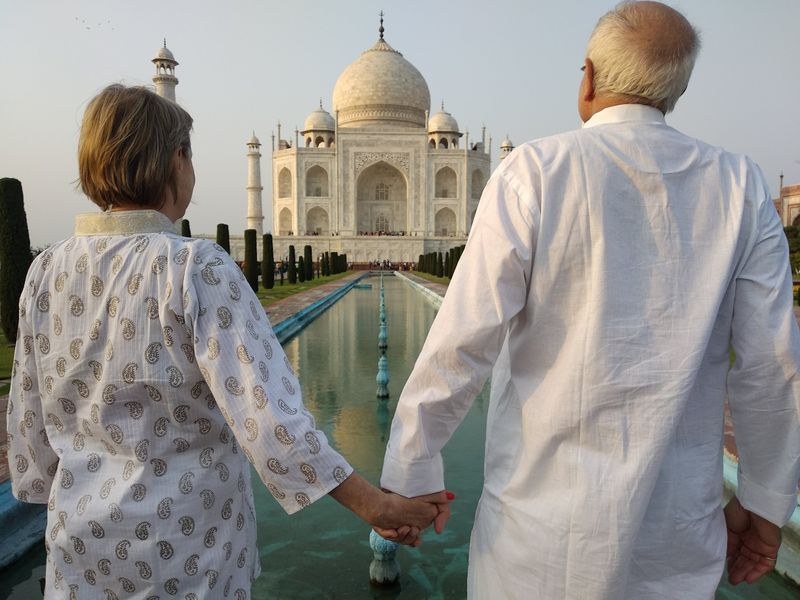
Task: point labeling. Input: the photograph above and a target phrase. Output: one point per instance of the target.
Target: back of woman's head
(128, 138)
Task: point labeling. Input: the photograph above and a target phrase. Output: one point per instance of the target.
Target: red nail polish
(450, 495)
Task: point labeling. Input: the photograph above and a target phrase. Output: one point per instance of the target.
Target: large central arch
(381, 200)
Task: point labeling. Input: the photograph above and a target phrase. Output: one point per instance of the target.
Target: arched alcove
(285, 222)
(446, 183)
(477, 184)
(445, 222)
(316, 182)
(382, 199)
(285, 183)
(443, 143)
(317, 221)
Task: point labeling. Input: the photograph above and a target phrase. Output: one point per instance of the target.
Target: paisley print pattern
(159, 364)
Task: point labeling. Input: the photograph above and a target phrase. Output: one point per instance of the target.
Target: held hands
(409, 533)
(393, 517)
(753, 543)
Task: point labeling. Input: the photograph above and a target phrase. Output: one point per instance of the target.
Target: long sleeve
(764, 385)
(255, 388)
(488, 289)
(33, 462)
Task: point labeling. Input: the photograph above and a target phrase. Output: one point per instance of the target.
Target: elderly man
(608, 274)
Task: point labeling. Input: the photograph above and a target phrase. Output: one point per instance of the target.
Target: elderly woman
(146, 376)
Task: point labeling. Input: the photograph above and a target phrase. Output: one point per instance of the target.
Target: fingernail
(450, 495)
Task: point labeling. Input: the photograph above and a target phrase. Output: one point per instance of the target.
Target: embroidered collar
(123, 223)
(626, 113)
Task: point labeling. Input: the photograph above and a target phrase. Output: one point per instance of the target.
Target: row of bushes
(434, 263)
(295, 268)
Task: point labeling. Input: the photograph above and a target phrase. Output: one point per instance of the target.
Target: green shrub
(268, 263)
(223, 237)
(292, 272)
(250, 258)
(15, 254)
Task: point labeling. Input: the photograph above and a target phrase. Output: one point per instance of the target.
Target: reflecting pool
(322, 552)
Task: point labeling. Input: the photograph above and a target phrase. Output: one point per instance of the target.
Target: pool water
(322, 552)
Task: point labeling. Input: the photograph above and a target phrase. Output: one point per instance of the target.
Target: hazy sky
(244, 65)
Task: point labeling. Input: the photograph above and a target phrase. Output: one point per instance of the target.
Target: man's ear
(587, 89)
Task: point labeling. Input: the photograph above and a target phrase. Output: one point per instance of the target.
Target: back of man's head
(644, 51)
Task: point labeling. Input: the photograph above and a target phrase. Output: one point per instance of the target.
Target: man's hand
(753, 543)
(394, 517)
(411, 535)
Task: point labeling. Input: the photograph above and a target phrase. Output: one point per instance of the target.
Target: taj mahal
(377, 178)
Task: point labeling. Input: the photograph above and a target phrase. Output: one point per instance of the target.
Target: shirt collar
(626, 113)
(123, 222)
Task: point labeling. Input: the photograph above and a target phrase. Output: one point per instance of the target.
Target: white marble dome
(319, 120)
(253, 140)
(381, 88)
(165, 54)
(442, 122)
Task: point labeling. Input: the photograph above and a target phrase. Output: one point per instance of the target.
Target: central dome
(381, 88)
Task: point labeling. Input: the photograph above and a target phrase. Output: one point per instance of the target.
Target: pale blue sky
(244, 65)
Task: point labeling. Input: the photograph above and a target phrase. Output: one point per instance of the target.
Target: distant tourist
(608, 274)
(146, 375)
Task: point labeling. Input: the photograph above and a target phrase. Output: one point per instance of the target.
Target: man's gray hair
(648, 59)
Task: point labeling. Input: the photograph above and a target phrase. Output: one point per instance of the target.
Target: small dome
(253, 140)
(442, 122)
(165, 54)
(319, 120)
(506, 143)
(381, 87)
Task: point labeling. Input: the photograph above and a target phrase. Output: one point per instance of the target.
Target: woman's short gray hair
(648, 59)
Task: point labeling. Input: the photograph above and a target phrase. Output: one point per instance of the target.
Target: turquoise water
(322, 552)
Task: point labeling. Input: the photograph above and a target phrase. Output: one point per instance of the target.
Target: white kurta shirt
(145, 376)
(611, 269)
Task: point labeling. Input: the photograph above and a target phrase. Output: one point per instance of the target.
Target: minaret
(505, 147)
(165, 79)
(255, 216)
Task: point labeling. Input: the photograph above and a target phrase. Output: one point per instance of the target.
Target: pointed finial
(165, 42)
(380, 29)
(442, 105)
(320, 103)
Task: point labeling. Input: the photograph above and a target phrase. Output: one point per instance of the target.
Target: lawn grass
(279, 292)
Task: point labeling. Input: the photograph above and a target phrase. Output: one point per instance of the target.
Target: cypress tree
(15, 254)
(447, 264)
(308, 261)
(439, 265)
(186, 231)
(250, 258)
(326, 268)
(334, 263)
(268, 263)
(292, 273)
(223, 237)
(301, 269)
(419, 262)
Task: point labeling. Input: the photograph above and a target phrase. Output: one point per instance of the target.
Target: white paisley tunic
(146, 375)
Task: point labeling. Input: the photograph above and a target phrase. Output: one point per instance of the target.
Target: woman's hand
(394, 517)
